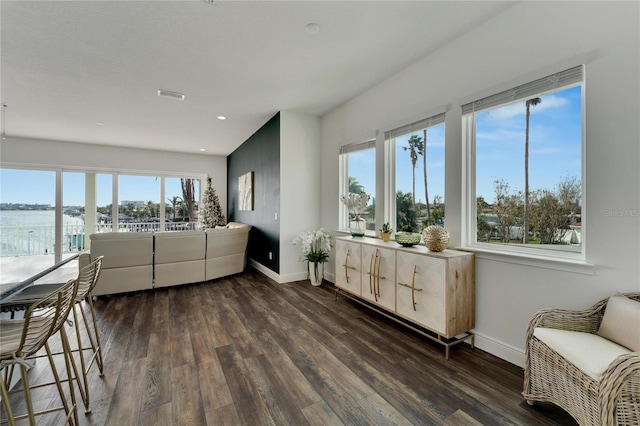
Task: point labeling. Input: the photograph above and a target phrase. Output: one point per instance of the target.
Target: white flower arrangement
(315, 245)
(356, 203)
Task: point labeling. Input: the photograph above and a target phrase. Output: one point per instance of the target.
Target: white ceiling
(68, 65)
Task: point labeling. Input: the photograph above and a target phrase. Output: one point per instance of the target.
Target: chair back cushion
(621, 322)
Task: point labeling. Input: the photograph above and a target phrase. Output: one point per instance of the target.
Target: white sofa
(226, 250)
(140, 261)
(179, 257)
(127, 264)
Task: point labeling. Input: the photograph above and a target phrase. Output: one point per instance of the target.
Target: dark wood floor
(244, 350)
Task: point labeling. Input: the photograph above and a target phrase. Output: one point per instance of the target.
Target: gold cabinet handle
(412, 287)
(378, 276)
(371, 274)
(376, 279)
(346, 265)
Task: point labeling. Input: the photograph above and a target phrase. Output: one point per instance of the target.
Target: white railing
(40, 239)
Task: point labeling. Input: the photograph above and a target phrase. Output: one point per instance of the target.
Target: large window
(27, 223)
(34, 222)
(181, 203)
(73, 202)
(138, 203)
(524, 170)
(415, 188)
(27, 212)
(358, 175)
(104, 202)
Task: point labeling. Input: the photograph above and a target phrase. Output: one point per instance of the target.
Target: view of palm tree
(525, 232)
(546, 209)
(420, 213)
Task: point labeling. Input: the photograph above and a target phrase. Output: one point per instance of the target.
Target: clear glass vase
(356, 226)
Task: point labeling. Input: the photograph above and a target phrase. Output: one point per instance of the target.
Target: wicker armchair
(548, 377)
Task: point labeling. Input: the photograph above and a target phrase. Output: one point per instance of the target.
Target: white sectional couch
(140, 261)
(179, 257)
(226, 248)
(127, 263)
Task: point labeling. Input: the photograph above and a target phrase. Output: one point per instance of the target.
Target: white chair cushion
(590, 353)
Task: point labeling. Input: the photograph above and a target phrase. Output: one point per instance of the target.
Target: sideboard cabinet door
(437, 290)
(378, 275)
(420, 290)
(348, 264)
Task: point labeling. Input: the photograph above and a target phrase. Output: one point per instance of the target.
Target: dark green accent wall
(260, 154)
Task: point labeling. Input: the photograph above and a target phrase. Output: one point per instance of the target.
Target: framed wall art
(245, 191)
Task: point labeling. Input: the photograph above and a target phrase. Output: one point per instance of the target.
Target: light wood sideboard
(432, 293)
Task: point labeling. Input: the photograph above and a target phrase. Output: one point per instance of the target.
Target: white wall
(299, 187)
(77, 156)
(529, 40)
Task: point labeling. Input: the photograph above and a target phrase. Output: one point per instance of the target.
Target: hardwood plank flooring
(244, 350)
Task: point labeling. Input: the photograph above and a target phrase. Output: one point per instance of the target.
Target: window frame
(59, 195)
(343, 180)
(390, 190)
(554, 259)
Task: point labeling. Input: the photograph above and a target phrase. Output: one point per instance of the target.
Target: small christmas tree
(210, 211)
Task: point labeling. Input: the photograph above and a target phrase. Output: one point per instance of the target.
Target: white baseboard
(288, 278)
(264, 270)
(500, 349)
(280, 279)
(298, 276)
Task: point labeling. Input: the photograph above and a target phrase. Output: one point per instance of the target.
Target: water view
(28, 233)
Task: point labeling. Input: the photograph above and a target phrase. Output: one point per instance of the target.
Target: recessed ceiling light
(202, 149)
(312, 28)
(170, 95)
(99, 123)
(221, 117)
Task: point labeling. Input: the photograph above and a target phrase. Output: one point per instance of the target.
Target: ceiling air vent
(170, 95)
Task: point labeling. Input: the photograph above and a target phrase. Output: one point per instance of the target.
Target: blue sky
(38, 187)
(554, 149)
(555, 143)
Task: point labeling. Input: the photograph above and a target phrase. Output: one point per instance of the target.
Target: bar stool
(21, 339)
(87, 280)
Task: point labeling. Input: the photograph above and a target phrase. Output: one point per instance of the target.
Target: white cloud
(518, 109)
(552, 101)
(508, 111)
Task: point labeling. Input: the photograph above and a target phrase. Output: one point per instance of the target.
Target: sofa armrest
(565, 319)
(620, 389)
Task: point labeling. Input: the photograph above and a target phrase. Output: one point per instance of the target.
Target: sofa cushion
(621, 322)
(123, 249)
(590, 353)
(227, 241)
(179, 246)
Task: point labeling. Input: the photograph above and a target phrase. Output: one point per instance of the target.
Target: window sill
(539, 261)
(343, 233)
